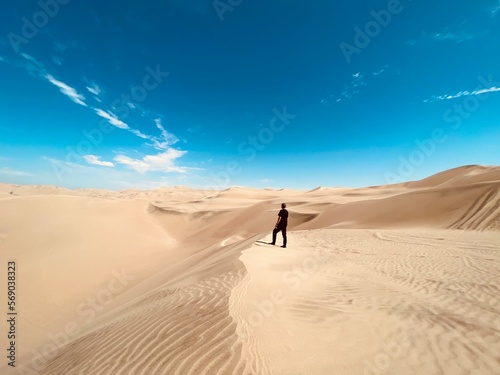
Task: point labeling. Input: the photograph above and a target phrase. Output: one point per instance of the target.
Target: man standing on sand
(281, 225)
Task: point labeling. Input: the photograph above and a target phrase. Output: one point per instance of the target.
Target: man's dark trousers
(283, 231)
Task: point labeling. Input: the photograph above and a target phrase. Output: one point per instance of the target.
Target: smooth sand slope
(396, 279)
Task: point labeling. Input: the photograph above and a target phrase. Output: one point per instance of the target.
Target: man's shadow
(267, 243)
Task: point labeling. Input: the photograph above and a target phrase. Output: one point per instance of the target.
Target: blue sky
(204, 93)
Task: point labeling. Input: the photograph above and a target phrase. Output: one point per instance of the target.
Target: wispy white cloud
(12, 172)
(162, 162)
(67, 90)
(161, 142)
(446, 35)
(96, 160)
(495, 10)
(59, 46)
(357, 82)
(349, 90)
(452, 36)
(32, 65)
(165, 140)
(83, 175)
(93, 88)
(112, 118)
(115, 121)
(463, 93)
(57, 60)
(140, 134)
(37, 69)
(381, 71)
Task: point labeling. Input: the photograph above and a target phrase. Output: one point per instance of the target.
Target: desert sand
(395, 279)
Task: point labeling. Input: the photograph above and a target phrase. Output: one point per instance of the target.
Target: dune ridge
(172, 280)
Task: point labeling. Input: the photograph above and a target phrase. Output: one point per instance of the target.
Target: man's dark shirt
(284, 218)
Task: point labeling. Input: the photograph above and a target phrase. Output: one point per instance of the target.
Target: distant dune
(393, 279)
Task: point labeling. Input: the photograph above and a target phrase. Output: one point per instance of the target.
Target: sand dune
(394, 279)
(458, 176)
